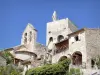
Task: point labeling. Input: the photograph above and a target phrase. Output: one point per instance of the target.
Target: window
(50, 43)
(49, 31)
(51, 39)
(76, 38)
(92, 63)
(60, 38)
(30, 36)
(25, 34)
(25, 38)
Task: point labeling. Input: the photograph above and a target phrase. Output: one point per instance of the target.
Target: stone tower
(57, 30)
(29, 37)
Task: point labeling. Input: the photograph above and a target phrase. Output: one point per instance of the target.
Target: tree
(9, 70)
(8, 56)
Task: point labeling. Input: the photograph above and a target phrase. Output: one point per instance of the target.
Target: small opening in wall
(51, 39)
(30, 36)
(25, 34)
(39, 59)
(92, 63)
(76, 38)
(25, 38)
(49, 31)
(60, 38)
(64, 28)
(50, 50)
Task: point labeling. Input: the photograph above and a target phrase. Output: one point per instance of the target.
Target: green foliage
(9, 70)
(8, 56)
(98, 62)
(56, 69)
(74, 71)
(63, 58)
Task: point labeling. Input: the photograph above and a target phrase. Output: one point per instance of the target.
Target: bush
(97, 62)
(9, 70)
(74, 71)
(56, 69)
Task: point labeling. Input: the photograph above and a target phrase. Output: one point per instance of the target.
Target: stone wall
(40, 50)
(79, 45)
(59, 27)
(24, 55)
(56, 28)
(92, 44)
(71, 27)
(57, 56)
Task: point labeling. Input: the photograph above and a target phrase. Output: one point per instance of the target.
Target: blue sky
(15, 14)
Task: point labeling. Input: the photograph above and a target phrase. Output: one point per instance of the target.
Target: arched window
(30, 36)
(77, 58)
(60, 38)
(50, 43)
(51, 39)
(25, 34)
(92, 63)
(25, 38)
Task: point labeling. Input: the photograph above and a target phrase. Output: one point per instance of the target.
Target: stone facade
(83, 44)
(30, 53)
(92, 44)
(63, 39)
(78, 45)
(59, 27)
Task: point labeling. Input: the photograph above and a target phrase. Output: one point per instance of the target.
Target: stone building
(30, 53)
(63, 40)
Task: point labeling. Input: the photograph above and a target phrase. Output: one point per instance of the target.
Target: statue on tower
(54, 16)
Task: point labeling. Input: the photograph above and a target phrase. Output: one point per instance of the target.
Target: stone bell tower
(29, 37)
